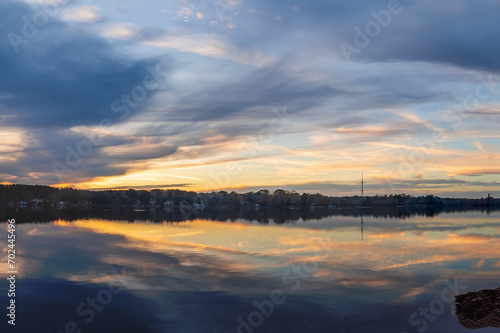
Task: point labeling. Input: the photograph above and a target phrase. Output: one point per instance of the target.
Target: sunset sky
(244, 95)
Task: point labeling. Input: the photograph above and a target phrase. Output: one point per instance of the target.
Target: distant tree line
(263, 215)
(47, 195)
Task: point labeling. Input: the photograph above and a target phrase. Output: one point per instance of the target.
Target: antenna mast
(362, 185)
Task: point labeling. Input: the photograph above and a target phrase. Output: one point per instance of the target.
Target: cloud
(122, 30)
(257, 94)
(115, 155)
(47, 2)
(185, 10)
(87, 14)
(200, 43)
(145, 187)
(477, 172)
(375, 186)
(479, 145)
(221, 86)
(62, 76)
(382, 131)
(452, 32)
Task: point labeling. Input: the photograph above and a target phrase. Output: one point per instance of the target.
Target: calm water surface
(332, 274)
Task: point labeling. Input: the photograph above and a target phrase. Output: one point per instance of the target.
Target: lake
(258, 271)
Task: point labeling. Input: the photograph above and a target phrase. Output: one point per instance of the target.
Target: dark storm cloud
(60, 76)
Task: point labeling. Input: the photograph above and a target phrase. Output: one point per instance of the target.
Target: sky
(244, 95)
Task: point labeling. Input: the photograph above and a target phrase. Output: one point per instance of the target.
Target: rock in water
(479, 309)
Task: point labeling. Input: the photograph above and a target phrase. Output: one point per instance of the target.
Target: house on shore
(37, 202)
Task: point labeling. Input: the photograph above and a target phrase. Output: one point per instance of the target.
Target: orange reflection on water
(338, 253)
